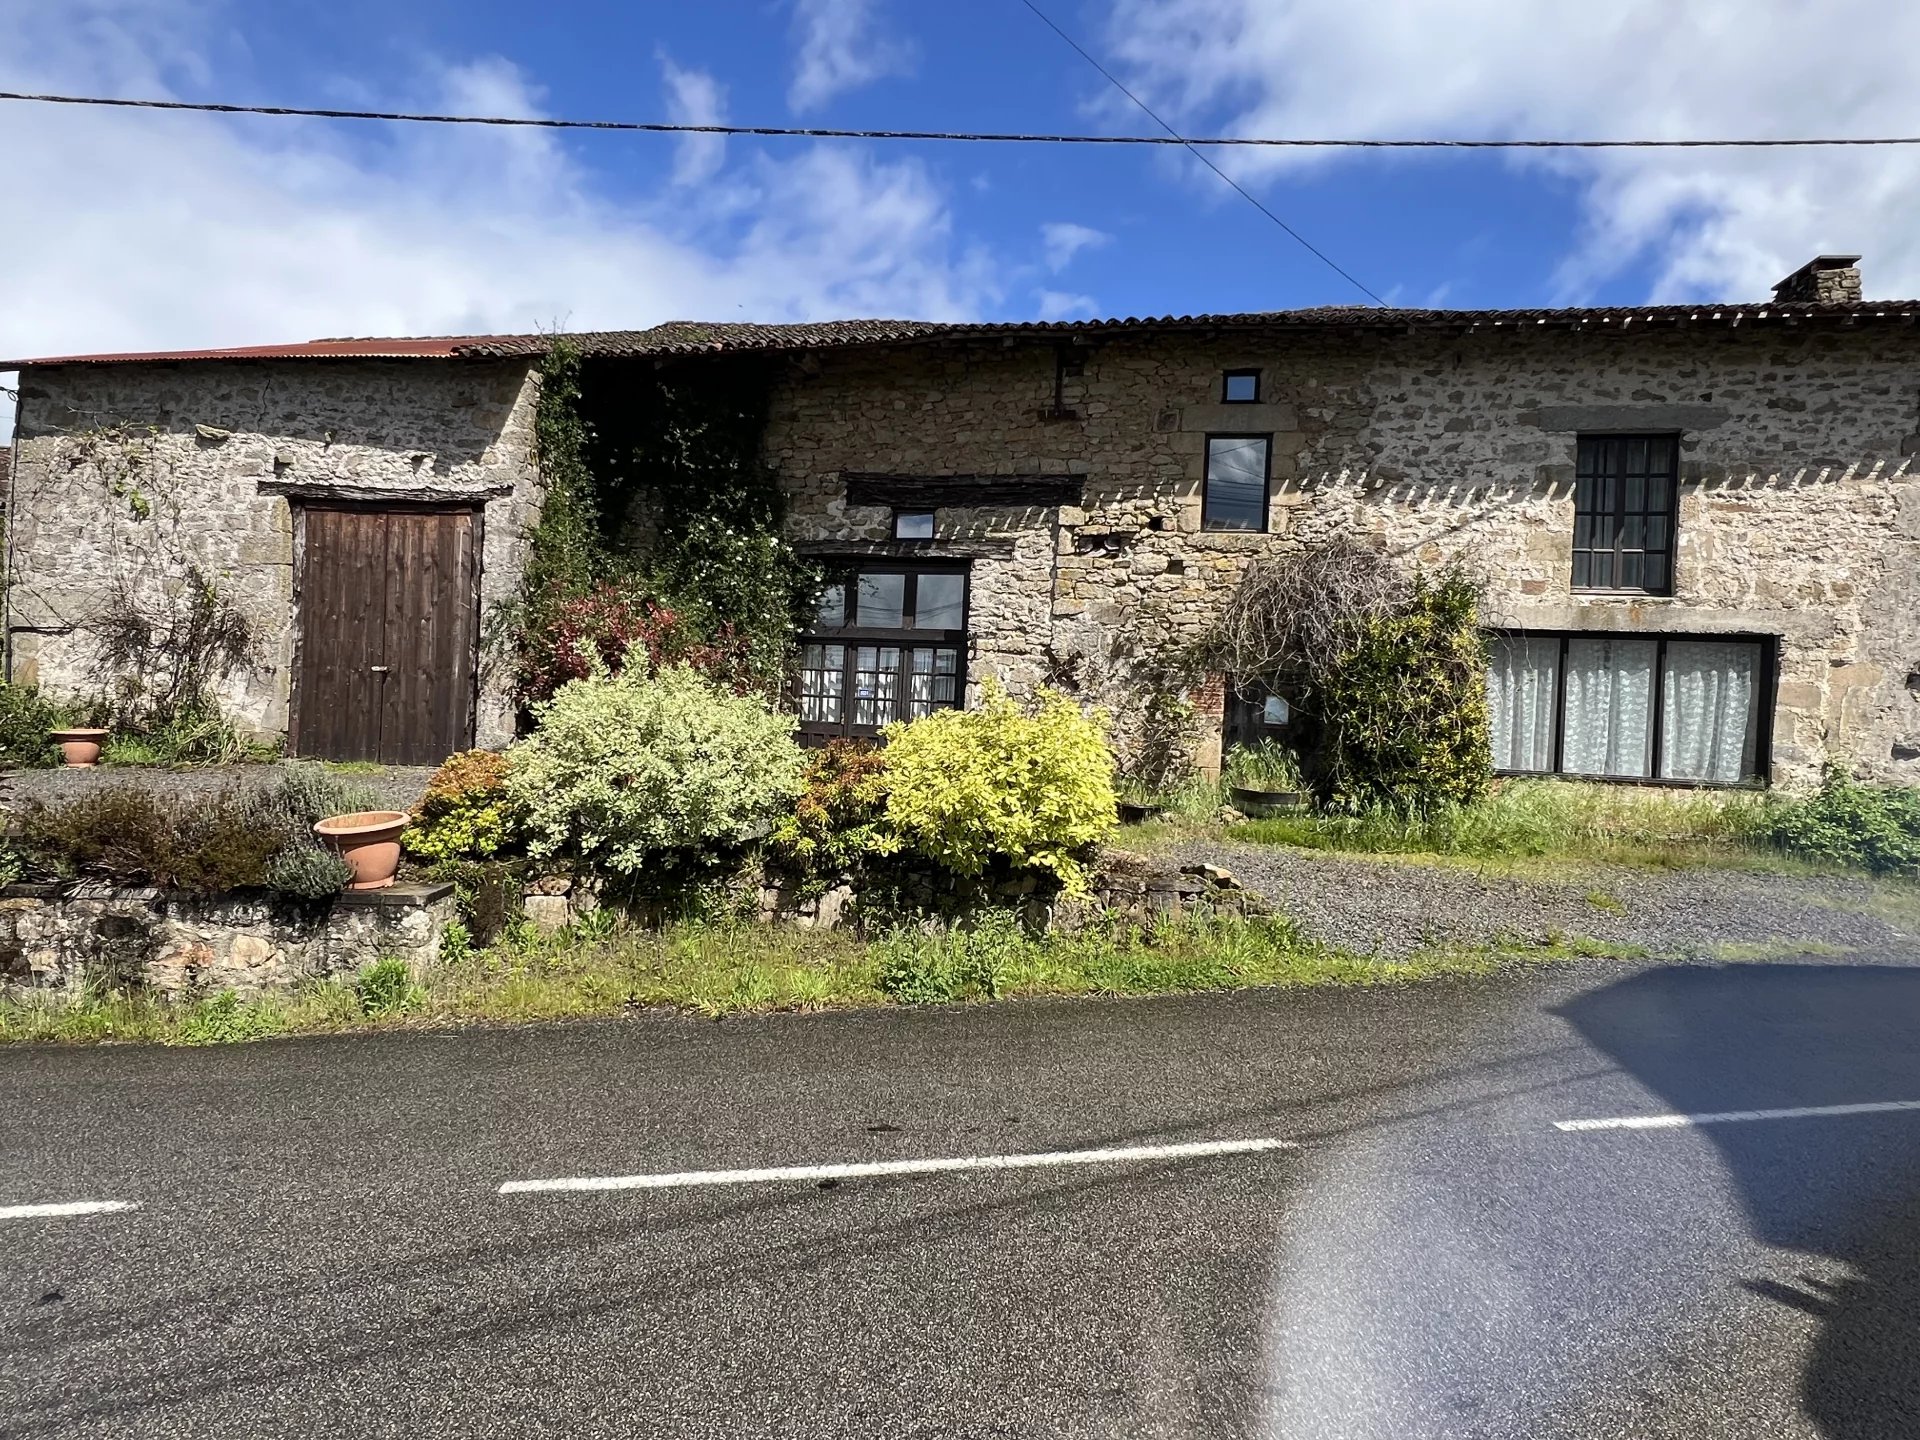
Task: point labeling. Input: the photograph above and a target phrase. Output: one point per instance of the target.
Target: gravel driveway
(1392, 908)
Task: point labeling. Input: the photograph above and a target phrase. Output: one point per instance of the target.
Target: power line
(1245, 194)
(1000, 137)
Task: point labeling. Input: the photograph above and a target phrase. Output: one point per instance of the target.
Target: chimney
(1823, 280)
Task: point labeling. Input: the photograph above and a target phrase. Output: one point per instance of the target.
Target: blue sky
(155, 231)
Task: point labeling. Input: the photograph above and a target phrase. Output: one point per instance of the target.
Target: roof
(690, 337)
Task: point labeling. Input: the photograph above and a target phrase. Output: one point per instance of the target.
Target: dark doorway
(389, 628)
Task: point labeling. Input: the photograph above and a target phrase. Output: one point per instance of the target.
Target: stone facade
(108, 938)
(140, 470)
(1799, 516)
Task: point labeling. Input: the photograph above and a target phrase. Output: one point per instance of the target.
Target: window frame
(1266, 483)
(1227, 377)
(1766, 686)
(906, 637)
(1619, 514)
(901, 512)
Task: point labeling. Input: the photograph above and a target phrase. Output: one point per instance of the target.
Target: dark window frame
(1266, 483)
(1227, 377)
(1766, 686)
(906, 637)
(1587, 480)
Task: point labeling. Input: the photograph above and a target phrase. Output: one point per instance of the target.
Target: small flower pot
(369, 841)
(1133, 812)
(80, 746)
(1249, 801)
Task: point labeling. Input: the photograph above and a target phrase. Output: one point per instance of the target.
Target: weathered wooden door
(389, 634)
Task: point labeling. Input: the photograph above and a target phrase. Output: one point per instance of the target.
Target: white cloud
(1063, 240)
(695, 98)
(1060, 305)
(841, 46)
(1717, 224)
(141, 231)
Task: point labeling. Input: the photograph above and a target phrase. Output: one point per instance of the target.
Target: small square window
(1240, 387)
(913, 524)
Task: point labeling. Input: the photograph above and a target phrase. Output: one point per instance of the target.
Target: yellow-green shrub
(465, 812)
(1031, 787)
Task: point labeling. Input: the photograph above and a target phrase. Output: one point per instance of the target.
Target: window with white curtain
(1629, 707)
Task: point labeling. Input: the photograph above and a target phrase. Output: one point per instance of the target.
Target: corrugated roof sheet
(690, 337)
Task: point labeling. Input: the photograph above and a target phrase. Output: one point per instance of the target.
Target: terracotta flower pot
(369, 841)
(80, 745)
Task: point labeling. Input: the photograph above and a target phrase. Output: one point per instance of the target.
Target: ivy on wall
(659, 516)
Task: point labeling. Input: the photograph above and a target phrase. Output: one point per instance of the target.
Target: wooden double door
(388, 649)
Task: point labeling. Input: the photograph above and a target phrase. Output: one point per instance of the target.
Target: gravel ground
(1393, 908)
(394, 787)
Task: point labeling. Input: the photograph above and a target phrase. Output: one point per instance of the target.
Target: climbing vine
(660, 525)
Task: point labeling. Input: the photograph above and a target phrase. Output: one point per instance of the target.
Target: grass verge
(600, 969)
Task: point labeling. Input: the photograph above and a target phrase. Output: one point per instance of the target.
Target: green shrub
(624, 769)
(840, 818)
(1404, 709)
(386, 987)
(226, 1019)
(237, 839)
(465, 812)
(26, 718)
(1870, 827)
(307, 871)
(920, 967)
(1030, 788)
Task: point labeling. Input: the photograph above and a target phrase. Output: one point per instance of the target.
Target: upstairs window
(1240, 387)
(888, 644)
(1235, 497)
(913, 525)
(1625, 498)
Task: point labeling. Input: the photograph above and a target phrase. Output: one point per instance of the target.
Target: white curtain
(1609, 727)
(1521, 675)
(1709, 719)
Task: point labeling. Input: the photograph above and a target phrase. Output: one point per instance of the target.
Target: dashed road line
(66, 1208)
(1734, 1117)
(1132, 1154)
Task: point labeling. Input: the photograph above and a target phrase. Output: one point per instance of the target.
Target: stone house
(1699, 523)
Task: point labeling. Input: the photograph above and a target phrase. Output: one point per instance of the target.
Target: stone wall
(99, 936)
(1799, 514)
(142, 469)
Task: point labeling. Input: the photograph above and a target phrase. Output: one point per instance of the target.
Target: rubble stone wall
(1799, 514)
(141, 470)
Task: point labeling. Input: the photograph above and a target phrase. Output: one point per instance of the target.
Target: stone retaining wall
(66, 938)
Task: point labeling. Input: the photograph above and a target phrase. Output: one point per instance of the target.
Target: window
(1236, 493)
(886, 646)
(1624, 507)
(913, 525)
(1240, 387)
(1685, 710)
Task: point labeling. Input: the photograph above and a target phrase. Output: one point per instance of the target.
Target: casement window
(888, 644)
(1625, 505)
(1240, 387)
(1235, 497)
(1665, 709)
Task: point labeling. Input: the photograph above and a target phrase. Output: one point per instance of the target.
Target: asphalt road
(320, 1246)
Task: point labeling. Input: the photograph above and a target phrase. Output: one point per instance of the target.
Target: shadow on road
(1746, 1037)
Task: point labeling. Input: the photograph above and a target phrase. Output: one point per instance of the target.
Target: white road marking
(70, 1207)
(864, 1169)
(1734, 1117)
